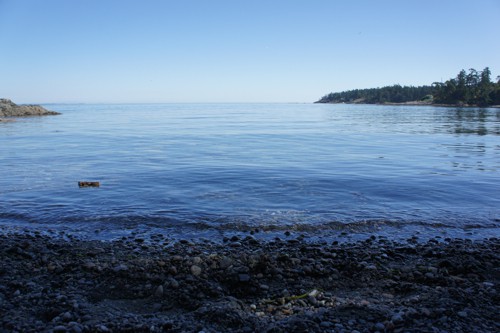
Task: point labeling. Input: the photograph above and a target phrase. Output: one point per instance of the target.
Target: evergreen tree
(473, 88)
(485, 88)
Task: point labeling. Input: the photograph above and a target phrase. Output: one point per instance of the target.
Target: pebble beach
(241, 284)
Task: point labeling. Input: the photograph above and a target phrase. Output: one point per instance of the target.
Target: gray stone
(159, 291)
(10, 109)
(195, 270)
(174, 284)
(244, 277)
(121, 267)
(397, 318)
(74, 327)
(67, 316)
(312, 300)
(225, 262)
(197, 260)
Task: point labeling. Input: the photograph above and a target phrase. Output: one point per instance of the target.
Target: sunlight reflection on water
(223, 166)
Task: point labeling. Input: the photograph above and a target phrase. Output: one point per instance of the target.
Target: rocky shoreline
(416, 103)
(64, 284)
(10, 109)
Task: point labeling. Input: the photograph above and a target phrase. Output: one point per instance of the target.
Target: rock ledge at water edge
(10, 109)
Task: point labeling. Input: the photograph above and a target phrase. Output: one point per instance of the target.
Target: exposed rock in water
(10, 109)
(3, 120)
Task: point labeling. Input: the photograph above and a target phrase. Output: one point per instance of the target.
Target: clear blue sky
(236, 51)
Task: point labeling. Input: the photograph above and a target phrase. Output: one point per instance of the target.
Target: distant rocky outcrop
(10, 109)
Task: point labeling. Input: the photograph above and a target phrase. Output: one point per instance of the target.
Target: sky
(210, 51)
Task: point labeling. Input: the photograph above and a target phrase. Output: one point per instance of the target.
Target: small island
(11, 109)
(467, 89)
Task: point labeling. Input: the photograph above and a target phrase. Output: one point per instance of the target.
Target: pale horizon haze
(57, 51)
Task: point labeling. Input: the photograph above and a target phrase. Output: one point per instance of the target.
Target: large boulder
(10, 109)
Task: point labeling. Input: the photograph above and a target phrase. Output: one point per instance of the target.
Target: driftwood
(88, 184)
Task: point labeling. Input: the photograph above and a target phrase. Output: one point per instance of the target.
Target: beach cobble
(55, 284)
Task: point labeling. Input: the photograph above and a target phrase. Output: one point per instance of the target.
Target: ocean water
(209, 170)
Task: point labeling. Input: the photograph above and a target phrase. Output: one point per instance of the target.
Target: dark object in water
(88, 184)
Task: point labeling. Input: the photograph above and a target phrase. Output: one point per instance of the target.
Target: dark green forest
(473, 88)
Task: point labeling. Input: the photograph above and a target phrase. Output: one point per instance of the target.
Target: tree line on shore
(472, 88)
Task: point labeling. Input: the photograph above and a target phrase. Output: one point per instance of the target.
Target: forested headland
(474, 88)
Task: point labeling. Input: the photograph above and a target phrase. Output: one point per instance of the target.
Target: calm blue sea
(208, 170)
